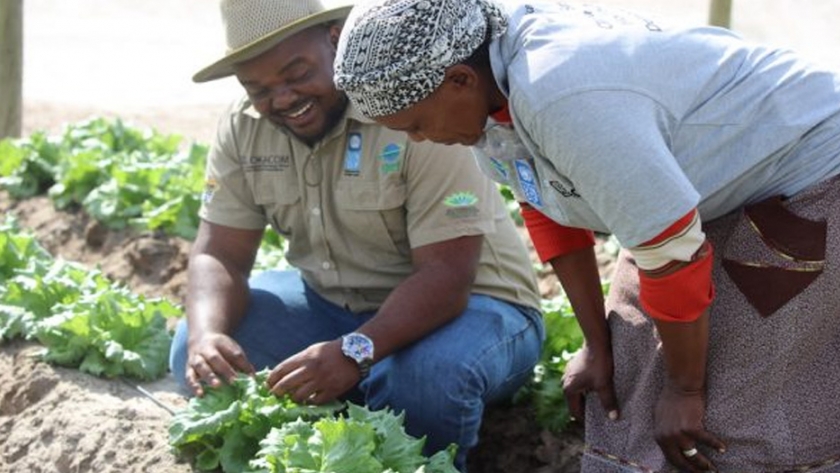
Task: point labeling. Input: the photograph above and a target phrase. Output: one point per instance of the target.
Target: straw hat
(252, 27)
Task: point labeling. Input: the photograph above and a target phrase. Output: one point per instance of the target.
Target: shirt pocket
(374, 214)
(279, 196)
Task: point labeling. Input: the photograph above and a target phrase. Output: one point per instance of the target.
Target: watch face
(357, 346)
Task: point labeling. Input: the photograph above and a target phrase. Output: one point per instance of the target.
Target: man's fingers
(208, 371)
(278, 373)
(305, 394)
(236, 358)
(288, 384)
(193, 382)
(203, 371)
(219, 368)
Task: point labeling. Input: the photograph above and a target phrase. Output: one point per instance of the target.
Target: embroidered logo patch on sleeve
(528, 182)
(461, 205)
(210, 187)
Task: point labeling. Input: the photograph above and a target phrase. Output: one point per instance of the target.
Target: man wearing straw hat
(411, 288)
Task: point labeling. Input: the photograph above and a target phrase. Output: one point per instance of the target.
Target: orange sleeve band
(681, 296)
(674, 229)
(552, 239)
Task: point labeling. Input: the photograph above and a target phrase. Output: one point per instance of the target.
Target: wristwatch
(359, 348)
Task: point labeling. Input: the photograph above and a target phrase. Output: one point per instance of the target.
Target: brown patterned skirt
(773, 376)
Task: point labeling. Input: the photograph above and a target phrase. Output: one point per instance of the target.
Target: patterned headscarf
(393, 53)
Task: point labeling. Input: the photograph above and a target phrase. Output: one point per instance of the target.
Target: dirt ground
(62, 420)
(132, 59)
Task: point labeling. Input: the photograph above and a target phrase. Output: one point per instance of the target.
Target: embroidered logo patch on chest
(563, 190)
(267, 163)
(501, 169)
(528, 182)
(390, 158)
(353, 155)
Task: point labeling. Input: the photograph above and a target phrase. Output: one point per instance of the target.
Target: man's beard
(333, 116)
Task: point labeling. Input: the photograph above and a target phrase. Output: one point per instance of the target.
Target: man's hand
(212, 357)
(679, 429)
(316, 375)
(590, 370)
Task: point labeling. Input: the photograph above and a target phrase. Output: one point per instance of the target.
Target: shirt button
(316, 211)
(326, 265)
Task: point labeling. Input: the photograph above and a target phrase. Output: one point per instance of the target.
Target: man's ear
(335, 33)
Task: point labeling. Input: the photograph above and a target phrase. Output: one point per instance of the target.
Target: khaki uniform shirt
(354, 205)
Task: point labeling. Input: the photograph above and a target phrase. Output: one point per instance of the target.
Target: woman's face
(455, 113)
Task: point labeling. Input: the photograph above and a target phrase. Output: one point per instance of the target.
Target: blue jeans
(442, 382)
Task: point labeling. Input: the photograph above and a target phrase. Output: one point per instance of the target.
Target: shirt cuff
(552, 239)
(683, 295)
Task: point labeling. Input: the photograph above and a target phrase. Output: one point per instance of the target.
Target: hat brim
(224, 67)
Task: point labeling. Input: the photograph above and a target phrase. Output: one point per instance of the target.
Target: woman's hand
(590, 370)
(679, 429)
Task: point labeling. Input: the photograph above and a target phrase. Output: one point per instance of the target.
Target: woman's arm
(570, 253)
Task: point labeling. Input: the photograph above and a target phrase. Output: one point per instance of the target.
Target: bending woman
(715, 163)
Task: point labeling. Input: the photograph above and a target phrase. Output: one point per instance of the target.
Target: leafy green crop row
(545, 390)
(80, 317)
(242, 427)
(120, 175)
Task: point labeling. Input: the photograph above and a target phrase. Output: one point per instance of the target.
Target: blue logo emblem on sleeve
(353, 155)
(528, 182)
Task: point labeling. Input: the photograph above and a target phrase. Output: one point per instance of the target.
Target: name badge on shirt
(528, 182)
(353, 155)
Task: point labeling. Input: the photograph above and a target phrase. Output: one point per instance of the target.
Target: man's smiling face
(291, 84)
